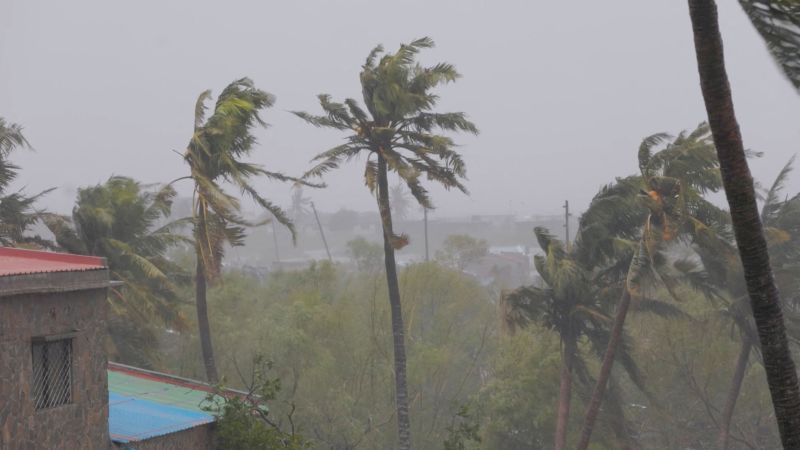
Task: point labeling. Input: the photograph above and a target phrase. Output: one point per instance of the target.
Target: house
(57, 388)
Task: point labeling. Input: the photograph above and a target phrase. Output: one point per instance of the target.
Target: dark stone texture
(82, 424)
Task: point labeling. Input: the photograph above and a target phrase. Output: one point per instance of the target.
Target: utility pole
(567, 215)
(425, 218)
(321, 233)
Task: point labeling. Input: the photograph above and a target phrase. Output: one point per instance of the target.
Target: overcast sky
(562, 91)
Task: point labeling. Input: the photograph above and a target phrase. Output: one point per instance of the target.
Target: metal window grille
(52, 373)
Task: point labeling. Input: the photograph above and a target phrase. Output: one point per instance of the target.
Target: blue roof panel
(133, 419)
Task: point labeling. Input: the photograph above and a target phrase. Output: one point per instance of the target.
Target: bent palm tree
(751, 242)
(670, 187)
(124, 223)
(214, 157)
(571, 303)
(397, 134)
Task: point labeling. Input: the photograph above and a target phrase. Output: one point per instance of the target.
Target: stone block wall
(81, 424)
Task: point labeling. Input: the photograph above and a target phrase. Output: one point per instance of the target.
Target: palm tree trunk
(738, 183)
(204, 328)
(565, 392)
(616, 418)
(605, 370)
(398, 329)
(733, 393)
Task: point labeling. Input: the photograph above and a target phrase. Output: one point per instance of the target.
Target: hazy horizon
(562, 95)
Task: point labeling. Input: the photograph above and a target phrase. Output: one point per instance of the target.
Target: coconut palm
(572, 302)
(214, 156)
(397, 132)
(126, 223)
(778, 22)
(751, 241)
(643, 215)
(718, 254)
(17, 213)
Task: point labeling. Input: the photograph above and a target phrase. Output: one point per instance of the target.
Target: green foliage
(778, 22)
(396, 128)
(125, 222)
(214, 156)
(368, 256)
(463, 431)
(329, 332)
(460, 250)
(17, 212)
(244, 421)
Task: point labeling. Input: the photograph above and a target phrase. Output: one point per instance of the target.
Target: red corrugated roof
(15, 261)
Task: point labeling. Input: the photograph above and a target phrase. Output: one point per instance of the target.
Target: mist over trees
(667, 321)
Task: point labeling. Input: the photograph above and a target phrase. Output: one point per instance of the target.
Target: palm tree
(670, 186)
(751, 242)
(396, 132)
(214, 157)
(778, 22)
(572, 303)
(718, 254)
(17, 214)
(124, 222)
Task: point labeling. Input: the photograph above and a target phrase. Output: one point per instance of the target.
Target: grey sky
(562, 91)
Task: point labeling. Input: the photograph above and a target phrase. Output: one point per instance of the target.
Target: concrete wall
(197, 438)
(83, 424)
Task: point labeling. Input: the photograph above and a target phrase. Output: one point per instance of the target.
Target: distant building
(56, 384)
(506, 267)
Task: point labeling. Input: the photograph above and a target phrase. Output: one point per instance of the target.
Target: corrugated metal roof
(15, 261)
(145, 404)
(132, 419)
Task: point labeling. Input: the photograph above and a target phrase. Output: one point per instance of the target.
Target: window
(52, 372)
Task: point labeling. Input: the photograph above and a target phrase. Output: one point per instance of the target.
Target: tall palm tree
(17, 212)
(751, 242)
(397, 133)
(669, 192)
(126, 223)
(214, 156)
(572, 303)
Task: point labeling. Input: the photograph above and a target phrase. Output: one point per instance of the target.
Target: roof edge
(169, 378)
(54, 256)
(54, 282)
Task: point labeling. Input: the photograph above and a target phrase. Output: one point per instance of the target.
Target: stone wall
(197, 438)
(82, 424)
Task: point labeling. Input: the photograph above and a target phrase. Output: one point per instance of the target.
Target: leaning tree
(214, 156)
(777, 20)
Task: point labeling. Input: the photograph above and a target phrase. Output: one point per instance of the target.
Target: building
(57, 388)
(52, 361)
